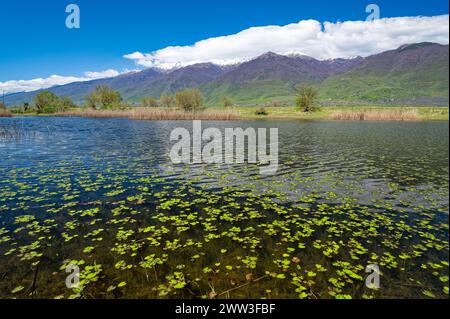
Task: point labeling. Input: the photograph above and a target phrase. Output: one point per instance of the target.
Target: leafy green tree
(45, 100)
(189, 100)
(48, 102)
(306, 97)
(104, 98)
(66, 102)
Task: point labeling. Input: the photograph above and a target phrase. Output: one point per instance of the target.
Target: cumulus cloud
(103, 74)
(309, 37)
(44, 83)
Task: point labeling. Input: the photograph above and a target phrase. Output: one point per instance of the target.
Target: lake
(103, 195)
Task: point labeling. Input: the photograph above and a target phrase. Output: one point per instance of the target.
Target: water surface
(103, 194)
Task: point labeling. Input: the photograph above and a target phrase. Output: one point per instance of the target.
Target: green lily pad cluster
(140, 228)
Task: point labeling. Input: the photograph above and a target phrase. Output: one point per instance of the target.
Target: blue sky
(36, 43)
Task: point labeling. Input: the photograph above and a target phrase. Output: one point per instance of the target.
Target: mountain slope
(135, 85)
(411, 73)
(188, 77)
(125, 83)
(273, 76)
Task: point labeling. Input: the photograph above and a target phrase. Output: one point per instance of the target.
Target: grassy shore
(374, 113)
(354, 113)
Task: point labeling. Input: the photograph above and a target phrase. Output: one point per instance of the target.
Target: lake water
(103, 194)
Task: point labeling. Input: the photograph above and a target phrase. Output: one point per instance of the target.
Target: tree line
(105, 98)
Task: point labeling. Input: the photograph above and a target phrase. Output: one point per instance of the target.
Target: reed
(10, 132)
(5, 113)
(140, 113)
(376, 115)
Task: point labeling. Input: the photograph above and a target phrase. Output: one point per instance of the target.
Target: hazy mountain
(416, 73)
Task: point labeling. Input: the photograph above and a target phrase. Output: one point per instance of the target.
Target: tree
(227, 102)
(149, 102)
(2, 106)
(103, 98)
(45, 100)
(306, 98)
(167, 101)
(48, 102)
(66, 102)
(189, 100)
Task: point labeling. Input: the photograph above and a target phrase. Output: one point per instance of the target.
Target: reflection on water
(103, 194)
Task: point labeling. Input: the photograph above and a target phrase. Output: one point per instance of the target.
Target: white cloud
(134, 56)
(40, 83)
(309, 37)
(103, 74)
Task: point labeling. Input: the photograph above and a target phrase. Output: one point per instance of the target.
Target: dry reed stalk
(5, 113)
(156, 114)
(376, 115)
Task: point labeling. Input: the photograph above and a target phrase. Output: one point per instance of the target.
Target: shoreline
(340, 113)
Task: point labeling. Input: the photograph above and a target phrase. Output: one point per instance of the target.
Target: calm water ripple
(103, 193)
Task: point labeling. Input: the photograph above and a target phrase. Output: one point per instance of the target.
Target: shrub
(227, 102)
(189, 100)
(167, 101)
(149, 102)
(261, 111)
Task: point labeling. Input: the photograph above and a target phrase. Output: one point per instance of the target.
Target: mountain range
(412, 74)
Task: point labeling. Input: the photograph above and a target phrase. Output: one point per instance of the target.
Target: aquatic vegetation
(140, 228)
(17, 289)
